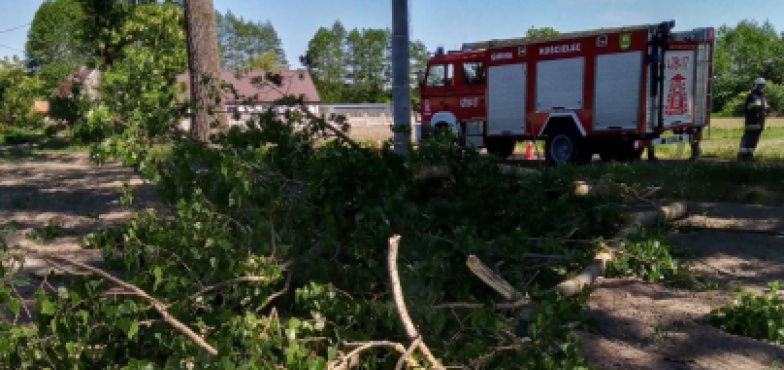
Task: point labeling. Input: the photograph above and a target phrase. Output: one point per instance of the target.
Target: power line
(11, 48)
(16, 28)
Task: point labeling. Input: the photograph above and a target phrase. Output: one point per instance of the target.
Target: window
(435, 75)
(473, 73)
(450, 75)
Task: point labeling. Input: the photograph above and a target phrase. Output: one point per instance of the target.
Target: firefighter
(754, 109)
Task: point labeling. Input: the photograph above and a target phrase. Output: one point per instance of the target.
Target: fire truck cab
(611, 92)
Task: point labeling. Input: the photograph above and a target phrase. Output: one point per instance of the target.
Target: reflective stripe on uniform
(746, 150)
(754, 127)
(755, 103)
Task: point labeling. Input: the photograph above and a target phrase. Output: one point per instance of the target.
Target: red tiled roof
(294, 82)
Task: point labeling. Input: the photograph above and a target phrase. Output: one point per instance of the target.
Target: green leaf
(14, 306)
(71, 348)
(158, 277)
(133, 329)
(47, 308)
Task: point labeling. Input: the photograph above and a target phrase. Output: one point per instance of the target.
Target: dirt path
(649, 326)
(53, 201)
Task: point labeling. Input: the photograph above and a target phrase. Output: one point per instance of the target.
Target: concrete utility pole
(203, 60)
(401, 103)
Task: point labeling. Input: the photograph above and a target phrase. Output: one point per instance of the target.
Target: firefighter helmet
(759, 81)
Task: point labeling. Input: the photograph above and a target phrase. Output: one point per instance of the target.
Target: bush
(774, 93)
(760, 317)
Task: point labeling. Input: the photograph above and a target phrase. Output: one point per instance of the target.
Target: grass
(21, 142)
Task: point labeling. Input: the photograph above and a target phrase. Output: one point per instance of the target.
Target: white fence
(357, 115)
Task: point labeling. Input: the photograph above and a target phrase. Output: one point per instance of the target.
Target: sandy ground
(649, 326)
(66, 196)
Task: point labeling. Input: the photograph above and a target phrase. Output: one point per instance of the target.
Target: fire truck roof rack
(519, 41)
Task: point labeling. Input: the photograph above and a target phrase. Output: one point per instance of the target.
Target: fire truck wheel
(500, 147)
(564, 145)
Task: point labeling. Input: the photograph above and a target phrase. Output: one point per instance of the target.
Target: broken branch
(521, 303)
(397, 294)
(158, 305)
(493, 280)
(406, 356)
(343, 362)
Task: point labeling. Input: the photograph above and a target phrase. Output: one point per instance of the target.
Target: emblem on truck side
(625, 41)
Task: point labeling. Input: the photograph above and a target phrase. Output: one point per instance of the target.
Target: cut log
(637, 221)
(587, 276)
(493, 280)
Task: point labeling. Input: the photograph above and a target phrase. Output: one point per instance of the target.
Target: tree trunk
(203, 61)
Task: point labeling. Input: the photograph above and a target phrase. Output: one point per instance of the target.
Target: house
(254, 93)
(87, 80)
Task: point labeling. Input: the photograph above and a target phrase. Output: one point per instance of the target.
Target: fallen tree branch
(158, 305)
(400, 304)
(637, 221)
(406, 356)
(642, 219)
(342, 135)
(207, 289)
(479, 362)
(277, 294)
(493, 280)
(587, 276)
(521, 303)
(345, 361)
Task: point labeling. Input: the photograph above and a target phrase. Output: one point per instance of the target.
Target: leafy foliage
(760, 317)
(52, 48)
(355, 66)
(541, 32)
(648, 259)
(774, 94)
(244, 42)
(17, 93)
(311, 219)
(743, 53)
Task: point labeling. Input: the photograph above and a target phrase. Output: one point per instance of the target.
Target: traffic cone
(529, 151)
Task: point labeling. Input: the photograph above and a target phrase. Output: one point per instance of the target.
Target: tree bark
(203, 64)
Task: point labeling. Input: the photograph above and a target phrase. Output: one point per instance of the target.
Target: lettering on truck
(559, 49)
(469, 102)
(499, 56)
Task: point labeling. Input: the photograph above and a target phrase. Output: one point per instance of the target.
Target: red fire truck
(611, 92)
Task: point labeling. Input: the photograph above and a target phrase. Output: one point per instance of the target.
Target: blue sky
(451, 22)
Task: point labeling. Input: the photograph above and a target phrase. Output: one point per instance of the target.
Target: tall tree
(203, 66)
(418, 62)
(325, 59)
(743, 53)
(53, 49)
(242, 41)
(368, 62)
(97, 29)
(541, 32)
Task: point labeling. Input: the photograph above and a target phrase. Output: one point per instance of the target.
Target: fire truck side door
(506, 99)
